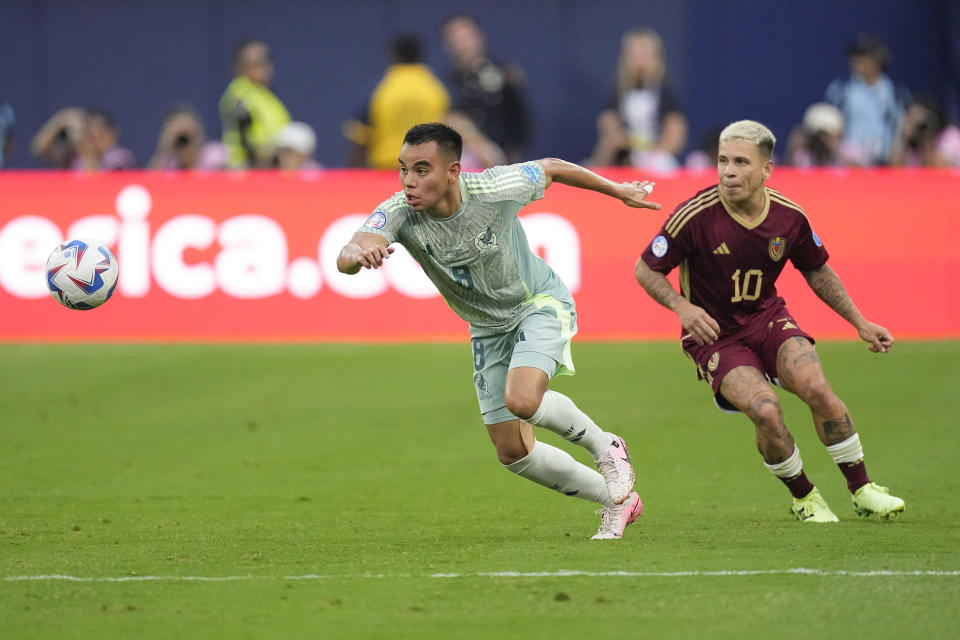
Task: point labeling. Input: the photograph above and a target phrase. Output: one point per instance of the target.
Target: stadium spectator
(463, 230)
(56, 142)
(705, 155)
(644, 124)
(407, 93)
(250, 114)
(925, 138)
(7, 122)
(183, 145)
(295, 146)
(98, 147)
(871, 104)
(739, 332)
(489, 93)
(479, 151)
(819, 141)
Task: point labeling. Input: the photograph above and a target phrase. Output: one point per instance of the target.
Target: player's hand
(634, 194)
(373, 257)
(698, 323)
(877, 337)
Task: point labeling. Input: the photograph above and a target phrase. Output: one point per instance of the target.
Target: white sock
(789, 468)
(559, 414)
(849, 450)
(556, 469)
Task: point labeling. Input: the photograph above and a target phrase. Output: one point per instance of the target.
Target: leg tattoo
(840, 429)
(794, 355)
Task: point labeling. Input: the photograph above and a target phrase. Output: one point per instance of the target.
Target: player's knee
(522, 404)
(818, 394)
(508, 453)
(766, 413)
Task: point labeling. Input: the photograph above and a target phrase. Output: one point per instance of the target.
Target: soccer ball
(82, 274)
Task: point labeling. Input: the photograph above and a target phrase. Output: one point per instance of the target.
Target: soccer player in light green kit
(463, 230)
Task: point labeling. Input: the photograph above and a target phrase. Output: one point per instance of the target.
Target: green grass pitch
(321, 491)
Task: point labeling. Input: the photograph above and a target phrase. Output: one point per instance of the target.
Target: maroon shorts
(754, 345)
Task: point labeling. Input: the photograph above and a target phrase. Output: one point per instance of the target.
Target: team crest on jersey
(376, 220)
(713, 362)
(659, 246)
(532, 172)
(486, 242)
(483, 392)
(777, 245)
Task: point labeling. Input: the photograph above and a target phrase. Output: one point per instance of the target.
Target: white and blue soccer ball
(82, 274)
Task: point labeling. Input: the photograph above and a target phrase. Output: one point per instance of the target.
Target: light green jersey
(478, 258)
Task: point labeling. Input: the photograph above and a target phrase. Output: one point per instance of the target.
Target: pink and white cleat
(614, 465)
(615, 518)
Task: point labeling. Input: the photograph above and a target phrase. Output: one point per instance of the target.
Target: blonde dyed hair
(751, 131)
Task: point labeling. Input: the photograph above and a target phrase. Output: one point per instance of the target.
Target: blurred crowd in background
(863, 119)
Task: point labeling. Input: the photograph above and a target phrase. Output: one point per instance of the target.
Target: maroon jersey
(728, 265)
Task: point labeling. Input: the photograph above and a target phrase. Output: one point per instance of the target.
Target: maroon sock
(855, 473)
(799, 485)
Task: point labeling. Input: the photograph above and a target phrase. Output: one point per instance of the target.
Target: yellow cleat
(872, 499)
(813, 508)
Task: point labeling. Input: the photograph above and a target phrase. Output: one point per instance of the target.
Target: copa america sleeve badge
(376, 220)
(532, 172)
(659, 246)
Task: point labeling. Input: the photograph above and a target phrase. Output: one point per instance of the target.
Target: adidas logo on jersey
(722, 250)
(788, 323)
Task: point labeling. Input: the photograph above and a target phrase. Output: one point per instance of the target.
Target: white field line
(878, 573)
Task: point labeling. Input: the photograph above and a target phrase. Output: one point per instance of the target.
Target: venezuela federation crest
(776, 247)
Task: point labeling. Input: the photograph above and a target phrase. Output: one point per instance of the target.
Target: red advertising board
(251, 256)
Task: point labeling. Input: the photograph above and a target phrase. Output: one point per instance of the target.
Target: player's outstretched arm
(367, 250)
(695, 320)
(633, 194)
(827, 285)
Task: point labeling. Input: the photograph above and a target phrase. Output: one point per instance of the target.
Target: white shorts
(541, 340)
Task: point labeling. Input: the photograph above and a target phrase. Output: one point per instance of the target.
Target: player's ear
(453, 171)
(768, 169)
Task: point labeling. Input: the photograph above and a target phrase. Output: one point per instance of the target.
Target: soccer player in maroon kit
(731, 242)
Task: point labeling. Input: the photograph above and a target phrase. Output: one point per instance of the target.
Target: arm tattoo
(659, 288)
(826, 284)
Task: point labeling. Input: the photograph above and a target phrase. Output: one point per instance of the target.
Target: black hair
(937, 115)
(406, 48)
(865, 44)
(241, 46)
(447, 139)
